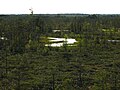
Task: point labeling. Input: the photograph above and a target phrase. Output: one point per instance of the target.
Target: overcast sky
(60, 6)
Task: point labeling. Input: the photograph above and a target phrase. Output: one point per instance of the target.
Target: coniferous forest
(27, 63)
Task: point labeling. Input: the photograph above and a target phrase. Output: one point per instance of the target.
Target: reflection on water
(60, 30)
(113, 40)
(58, 42)
(3, 38)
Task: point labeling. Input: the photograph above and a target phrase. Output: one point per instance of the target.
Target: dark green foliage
(27, 64)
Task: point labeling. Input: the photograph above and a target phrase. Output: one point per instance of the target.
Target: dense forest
(92, 64)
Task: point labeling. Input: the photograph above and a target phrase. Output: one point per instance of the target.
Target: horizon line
(62, 14)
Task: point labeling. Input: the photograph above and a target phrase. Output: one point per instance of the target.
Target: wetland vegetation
(90, 62)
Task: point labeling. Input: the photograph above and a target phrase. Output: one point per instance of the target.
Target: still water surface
(58, 42)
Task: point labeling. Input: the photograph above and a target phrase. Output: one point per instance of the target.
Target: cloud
(59, 6)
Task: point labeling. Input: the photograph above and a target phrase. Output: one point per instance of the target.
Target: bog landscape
(60, 52)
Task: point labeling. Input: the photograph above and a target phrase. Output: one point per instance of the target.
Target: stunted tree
(31, 10)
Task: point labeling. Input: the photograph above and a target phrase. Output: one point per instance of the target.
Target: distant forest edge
(63, 14)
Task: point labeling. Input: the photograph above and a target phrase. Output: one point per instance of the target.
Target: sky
(60, 6)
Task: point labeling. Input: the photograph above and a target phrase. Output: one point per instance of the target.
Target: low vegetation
(27, 64)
